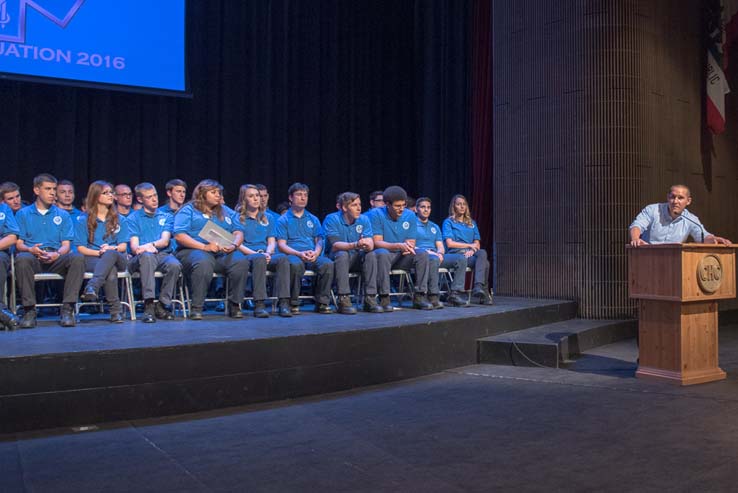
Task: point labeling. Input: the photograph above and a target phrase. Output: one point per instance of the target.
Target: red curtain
(481, 118)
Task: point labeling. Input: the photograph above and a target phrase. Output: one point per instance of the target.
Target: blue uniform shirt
(428, 234)
(149, 228)
(657, 226)
(120, 235)
(73, 213)
(255, 233)
(190, 221)
(404, 228)
(8, 224)
(167, 208)
(299, 232)
(337, 229)
(459, 231)
(48, 229)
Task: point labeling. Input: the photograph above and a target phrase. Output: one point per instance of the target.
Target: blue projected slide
(137, 43)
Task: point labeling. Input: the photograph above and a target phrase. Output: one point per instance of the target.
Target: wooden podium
(678, 287)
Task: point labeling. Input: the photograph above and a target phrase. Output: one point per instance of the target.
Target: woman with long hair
(461, 235)
(101, 235)
(259, 245)
(202, 257)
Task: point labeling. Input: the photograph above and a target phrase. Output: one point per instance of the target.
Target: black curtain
(341, 95)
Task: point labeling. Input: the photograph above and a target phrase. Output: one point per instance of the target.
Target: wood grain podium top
(681, 272)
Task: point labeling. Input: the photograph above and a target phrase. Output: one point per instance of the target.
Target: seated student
(350, 245)
(176, 193)
(65, 198)
(282, 207)
(200, 258)
(10, 195)
(150, 231)
(429, 239)
(300, 237)
(8, 236)
(461, 234)
(259, 245)
(44, 245)
(395, 230)
(264, 196)
(101, 235)
(123, 199)
(376, 199)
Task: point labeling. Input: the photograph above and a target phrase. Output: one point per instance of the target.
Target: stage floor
(95, 333)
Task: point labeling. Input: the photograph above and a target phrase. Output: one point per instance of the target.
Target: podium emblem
(709, 273)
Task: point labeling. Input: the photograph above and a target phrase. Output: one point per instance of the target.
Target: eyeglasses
(106, 192)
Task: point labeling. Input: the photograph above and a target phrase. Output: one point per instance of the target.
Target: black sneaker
(149, 316)
(260, 310)
(161, 312)
(420, 302)
(456, 299)
(370, 304)
(8, 318)
(323, 308)
(295, 309)
(345, 306)
(283, 309)
(234, 310)
(66, 313)
(481, 295)
(196, 313)
(385, 303)
(435, 301)
(89, 295)
(29, 319)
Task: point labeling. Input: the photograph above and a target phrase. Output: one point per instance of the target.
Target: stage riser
(84, 388)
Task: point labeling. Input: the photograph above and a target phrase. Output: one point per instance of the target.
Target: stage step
(553, 344)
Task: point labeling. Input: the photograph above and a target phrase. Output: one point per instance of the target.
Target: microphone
(4, 17)
(702, 230)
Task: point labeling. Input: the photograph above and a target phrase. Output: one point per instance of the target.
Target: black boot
(234, 310)
(149, 314)
(345, 306)
(481, 295)
(260, 309)
(66, 313)
(8, 319)
(90, 294)
(161, 312)
(370, 304)
(29, 318)
(420, 302)
(456, 299)
(435, 301)
(284, 308)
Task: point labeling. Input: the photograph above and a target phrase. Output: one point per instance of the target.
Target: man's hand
(212, 247)
(638, 242)
(717, 240)
(308, 256)
(364, 244)
(406, 248)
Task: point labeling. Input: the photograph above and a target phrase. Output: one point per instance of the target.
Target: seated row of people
(104, 242)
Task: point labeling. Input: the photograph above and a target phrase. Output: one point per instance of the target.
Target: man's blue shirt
(8, 224)
(149, 227)
(299, 232)
(657, 226)
(428, 234)
(393, 231)
(48, 230)
(337, 229)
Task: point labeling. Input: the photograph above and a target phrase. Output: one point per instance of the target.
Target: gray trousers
(147, 264)
(323, 268)
(70, 265)
(480, 264)
(389, 260)
(352, 261)
(455, 261)
(4, 269)
(257, 265)
(280, 265)
(199, 266)
(105, 274)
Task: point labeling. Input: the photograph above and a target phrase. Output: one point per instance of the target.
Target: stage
(100, 372)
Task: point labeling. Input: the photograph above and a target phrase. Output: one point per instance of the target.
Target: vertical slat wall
(597, 109)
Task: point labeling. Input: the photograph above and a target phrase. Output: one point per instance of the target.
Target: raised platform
(99, 372)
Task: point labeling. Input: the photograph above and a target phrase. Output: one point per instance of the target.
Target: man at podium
(670, 222)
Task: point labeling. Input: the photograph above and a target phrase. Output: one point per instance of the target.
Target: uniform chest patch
(406, 225)
(117, 230)
(228, 220)
(57, 220)
(433, 230)
(359, 228)
(162, 221)
(2, 216)
(310, 224)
